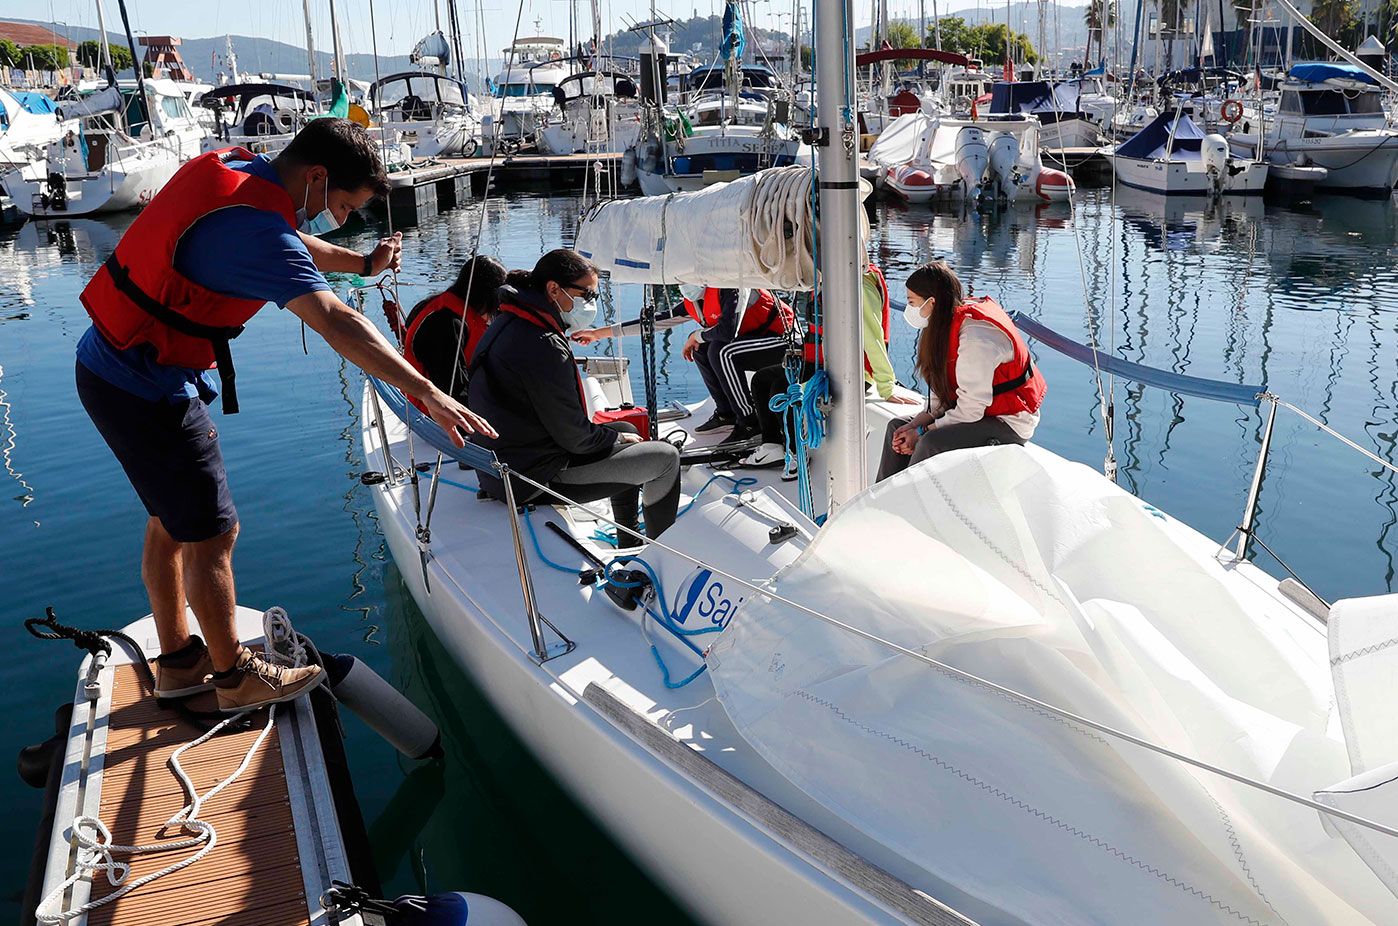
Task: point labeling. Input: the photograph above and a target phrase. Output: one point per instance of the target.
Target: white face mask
(912, 314)
(691, 292)
(324, 222)
(580, 314)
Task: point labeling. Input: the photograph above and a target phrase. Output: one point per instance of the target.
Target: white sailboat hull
(109, 190)
(1363, 162)
(1183, 178)
(718, 861)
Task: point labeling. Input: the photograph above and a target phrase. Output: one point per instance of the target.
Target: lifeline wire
(995, 687)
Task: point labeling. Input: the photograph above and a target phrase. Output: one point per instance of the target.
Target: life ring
(1232, 111)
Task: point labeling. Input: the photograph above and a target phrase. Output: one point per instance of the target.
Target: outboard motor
(972, 159)
(1213, 151)
(1003, 179)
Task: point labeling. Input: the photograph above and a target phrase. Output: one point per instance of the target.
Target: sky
(398, 24)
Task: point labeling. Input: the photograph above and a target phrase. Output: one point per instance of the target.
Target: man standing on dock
(228, 234)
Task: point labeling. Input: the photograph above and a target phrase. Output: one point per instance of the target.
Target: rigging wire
(497, 125)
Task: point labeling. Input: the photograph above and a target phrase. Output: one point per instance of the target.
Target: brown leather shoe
(183, 681)
(256, 682)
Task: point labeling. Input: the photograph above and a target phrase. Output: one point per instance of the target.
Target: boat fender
(456, 909)
(36, 761)
(383, 707)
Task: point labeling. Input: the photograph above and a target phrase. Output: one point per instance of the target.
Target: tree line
(56, 57)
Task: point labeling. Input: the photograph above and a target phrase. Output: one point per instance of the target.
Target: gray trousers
(650, 469)
(986, 432)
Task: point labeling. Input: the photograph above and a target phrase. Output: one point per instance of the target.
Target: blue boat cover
(477, 458)
(1034, 96)
(1153, 137)
(1218, 390)
(1317, 71)
(36, 103)
(735, 40)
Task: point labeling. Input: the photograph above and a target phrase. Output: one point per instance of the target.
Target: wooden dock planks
(252, 876)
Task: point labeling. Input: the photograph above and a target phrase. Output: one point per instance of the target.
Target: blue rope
(804, 423)
(666, 616)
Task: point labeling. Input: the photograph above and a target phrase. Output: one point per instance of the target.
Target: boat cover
(1043, 99)
(755, 231)
(1042, 576)
(33, 102)
(902, 139)
(1150, 142)
(1318, 71)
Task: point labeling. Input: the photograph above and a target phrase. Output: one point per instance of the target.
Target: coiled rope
(97, 852)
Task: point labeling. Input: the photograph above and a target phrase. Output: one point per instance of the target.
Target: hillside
(255, 55)
(703, 31)
(1024, 17)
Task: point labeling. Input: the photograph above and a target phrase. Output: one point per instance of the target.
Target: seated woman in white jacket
(983, 387)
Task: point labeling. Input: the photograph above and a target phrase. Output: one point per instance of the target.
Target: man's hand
(626, 437)
(388, 255)
(691, 346)
(589, 335)
(454, 418)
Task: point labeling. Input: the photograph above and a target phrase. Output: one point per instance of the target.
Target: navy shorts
(170, 453)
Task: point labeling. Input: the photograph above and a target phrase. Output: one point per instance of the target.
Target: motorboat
(1173, 156)
(1330, 116)
(432, 114)
(932, 158)
(166, 115)
(524, 88)
(718, 135)
(963, 86)
(1057, 106)
(595, 111)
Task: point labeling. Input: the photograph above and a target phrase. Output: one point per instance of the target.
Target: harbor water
(1300, 301)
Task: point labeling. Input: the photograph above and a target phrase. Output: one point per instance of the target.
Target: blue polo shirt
(243, 252)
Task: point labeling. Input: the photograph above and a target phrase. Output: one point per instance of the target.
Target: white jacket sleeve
(983, 348)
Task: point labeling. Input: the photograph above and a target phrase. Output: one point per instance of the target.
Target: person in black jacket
(525, 381)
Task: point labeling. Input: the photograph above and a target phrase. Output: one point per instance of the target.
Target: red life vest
(813, 355)
(475, 322)
(763, 315)
(1017, 385)
(137, 296)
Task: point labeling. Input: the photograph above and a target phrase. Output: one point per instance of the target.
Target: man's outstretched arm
(356, 339)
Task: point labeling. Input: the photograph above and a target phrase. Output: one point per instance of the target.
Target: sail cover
(1038, 574)
(755, 231)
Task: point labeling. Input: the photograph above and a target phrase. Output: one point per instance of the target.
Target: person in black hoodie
(525, 382)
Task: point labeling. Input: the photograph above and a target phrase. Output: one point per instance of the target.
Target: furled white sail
(751, 232)
(1042, 576)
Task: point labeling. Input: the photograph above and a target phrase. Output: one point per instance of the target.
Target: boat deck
(253, 875)
(280, 825)
(427, 188)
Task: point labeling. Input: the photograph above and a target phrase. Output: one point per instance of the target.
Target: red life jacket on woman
(475, 323)
(1017, 385)
(137, 296)
(764, 315)
(814, 355)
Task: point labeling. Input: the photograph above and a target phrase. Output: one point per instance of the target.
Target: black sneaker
(744, 432)
(716, 420)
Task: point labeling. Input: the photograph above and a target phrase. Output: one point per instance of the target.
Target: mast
(339, 58)
(310, 41)
(921, 37)
(840, 251)
(135, 65)
(104, 54)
